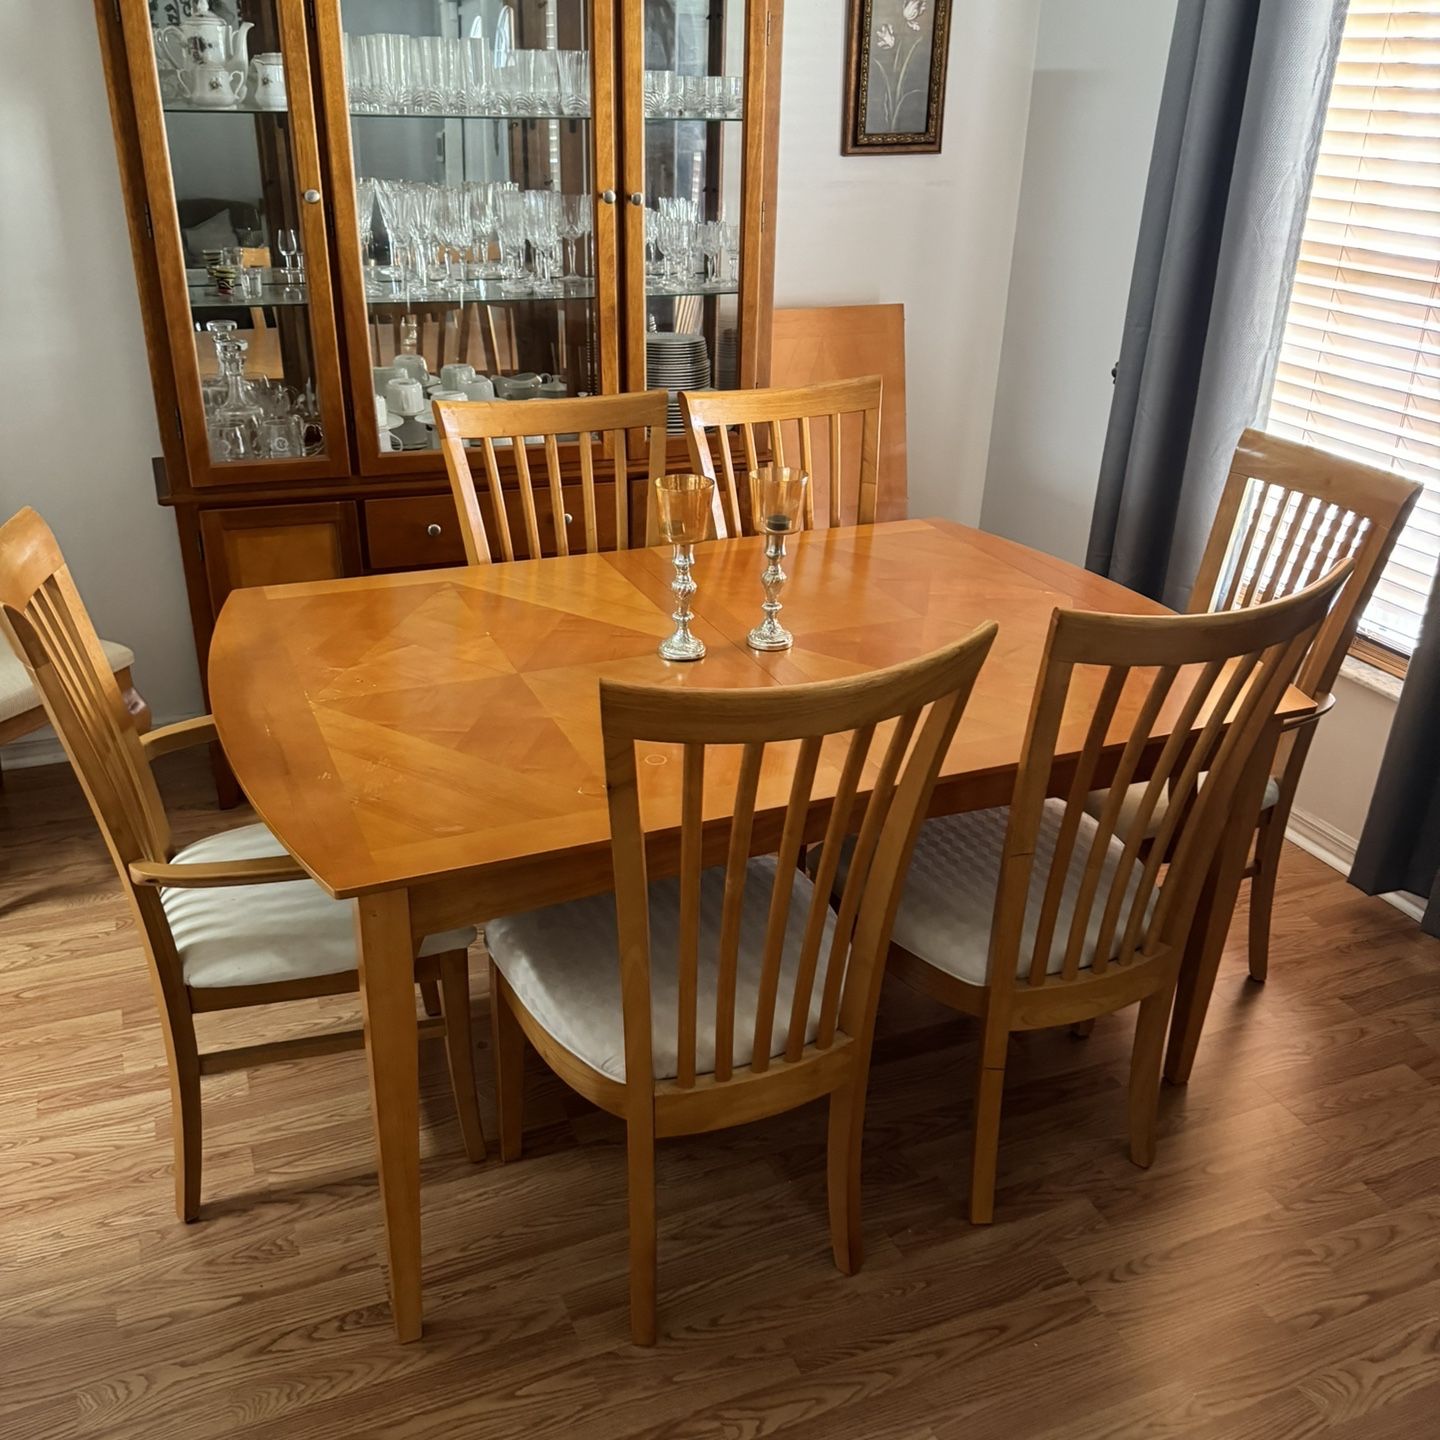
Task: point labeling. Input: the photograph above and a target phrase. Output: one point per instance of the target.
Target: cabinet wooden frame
(163, 226)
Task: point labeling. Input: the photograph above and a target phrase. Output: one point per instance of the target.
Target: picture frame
(895, 58)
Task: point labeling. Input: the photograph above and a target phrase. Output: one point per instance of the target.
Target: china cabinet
(340, 208)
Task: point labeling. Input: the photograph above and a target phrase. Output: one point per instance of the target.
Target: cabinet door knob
(569, 518)
(433, 531)
(637, 197)
(311, 197)
(607, 197)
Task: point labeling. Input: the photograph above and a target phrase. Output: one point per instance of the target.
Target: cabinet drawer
(413, 533)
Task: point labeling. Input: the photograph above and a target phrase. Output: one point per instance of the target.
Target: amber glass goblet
(683, 517)
(777, 501)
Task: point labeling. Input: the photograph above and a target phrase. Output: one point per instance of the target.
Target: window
(1359, 369)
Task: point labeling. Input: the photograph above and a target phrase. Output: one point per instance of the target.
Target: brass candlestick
(777, 499)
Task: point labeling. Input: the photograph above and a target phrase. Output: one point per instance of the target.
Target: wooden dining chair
(732, 992)
(227, 922)
(1044, 916)
(1288, 513)
(599, 424)
(843, 405)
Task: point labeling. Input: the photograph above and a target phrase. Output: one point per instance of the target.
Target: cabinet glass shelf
(701, 119)
(478, 292)
(179, 107)
(271, 296)
(458, 115)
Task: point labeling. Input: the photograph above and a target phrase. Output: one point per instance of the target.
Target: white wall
(1099, 66)
(932, 231)
(79, 429)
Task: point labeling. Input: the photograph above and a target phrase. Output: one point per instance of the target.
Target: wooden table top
(394, 730)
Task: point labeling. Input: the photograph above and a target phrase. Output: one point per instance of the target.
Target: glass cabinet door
(477, 249)
(685, 182)
(228, 138)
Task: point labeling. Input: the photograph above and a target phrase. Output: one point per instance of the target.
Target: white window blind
(1359, 370)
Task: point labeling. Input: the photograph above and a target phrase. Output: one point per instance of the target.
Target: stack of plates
(675, 363)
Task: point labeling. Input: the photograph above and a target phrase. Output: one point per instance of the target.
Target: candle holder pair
(683, 502)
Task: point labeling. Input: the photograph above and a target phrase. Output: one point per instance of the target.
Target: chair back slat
(826, 870)
(861, 861)
(788, 772)
(1289, 514)
(1099, 728)
(710, 414)
(787, 861)
(600, 423)
(1193, 699)
(688, 960)
(50, 631)
(736, 862)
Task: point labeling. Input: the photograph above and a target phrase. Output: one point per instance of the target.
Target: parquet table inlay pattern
(1273, 1277)
(430, 743)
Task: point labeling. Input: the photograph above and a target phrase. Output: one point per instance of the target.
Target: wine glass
(777, 498)
(682, 509)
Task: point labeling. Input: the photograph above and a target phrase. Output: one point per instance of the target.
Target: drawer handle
(433, 531)
(569, 518)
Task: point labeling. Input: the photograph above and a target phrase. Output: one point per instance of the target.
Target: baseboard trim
(1319, 838)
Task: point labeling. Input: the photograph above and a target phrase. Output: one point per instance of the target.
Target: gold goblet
(777, 500)
(683, 513)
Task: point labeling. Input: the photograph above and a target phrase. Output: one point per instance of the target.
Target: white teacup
(480, 388)
(405, 397)
(414, 366)
(456, 377)
(384, 374)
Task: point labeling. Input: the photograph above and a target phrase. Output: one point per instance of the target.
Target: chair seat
(1095, 803)
(946, 911)
(260, 934)
(563, 965)
(17, 694)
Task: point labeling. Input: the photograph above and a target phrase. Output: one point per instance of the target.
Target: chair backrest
(605, 419)
(774, 410)
(46, 624)
(1160, 688)
(776, 743)
(1287, 515)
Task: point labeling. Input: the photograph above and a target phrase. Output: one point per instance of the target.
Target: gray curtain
(1400, 847)
(1241, 114)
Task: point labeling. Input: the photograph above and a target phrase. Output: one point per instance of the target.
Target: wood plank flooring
(1276, 1275)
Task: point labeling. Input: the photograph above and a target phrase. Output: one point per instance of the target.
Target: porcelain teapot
(204, 38)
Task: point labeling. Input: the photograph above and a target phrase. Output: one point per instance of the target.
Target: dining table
(428, 744)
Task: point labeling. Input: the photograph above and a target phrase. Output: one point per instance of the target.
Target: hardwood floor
(1275, 1275)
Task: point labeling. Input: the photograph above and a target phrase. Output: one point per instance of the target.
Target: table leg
(1211, 924)
(387, 997)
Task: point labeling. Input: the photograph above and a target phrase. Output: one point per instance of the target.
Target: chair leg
(184, 1067)
(1145, 1063)
(1268, 843)
(842, 1164)
(454, 991)
(640, 1158)
(430, 994)
(507, 1042)
(989, 1091)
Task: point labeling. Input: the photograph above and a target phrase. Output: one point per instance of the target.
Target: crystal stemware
(777, 498)
(683, 514)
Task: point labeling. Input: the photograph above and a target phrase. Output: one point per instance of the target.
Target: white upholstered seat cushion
(17, 694)
(258, 934)
(949, 900)
(563, 965)
(1130, 805)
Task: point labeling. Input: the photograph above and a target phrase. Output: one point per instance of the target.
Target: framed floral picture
(895, 76)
